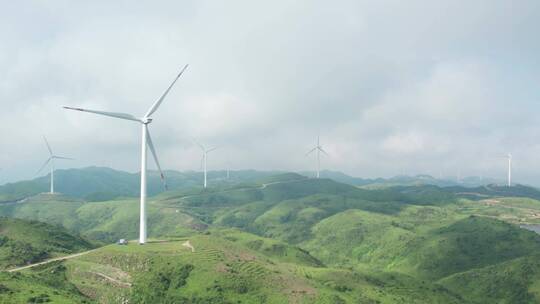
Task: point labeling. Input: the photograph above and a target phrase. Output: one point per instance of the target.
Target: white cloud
(431, 82)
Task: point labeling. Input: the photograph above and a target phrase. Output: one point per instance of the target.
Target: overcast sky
(393, 87)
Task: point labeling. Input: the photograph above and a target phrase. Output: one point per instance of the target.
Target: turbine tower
(319, 149)
(205, 152)
(509, 156)
(51, 159)
(146, 143)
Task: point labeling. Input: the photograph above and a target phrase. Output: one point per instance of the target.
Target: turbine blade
(111, 114)
(310, 151)
(198, 144)
(47, 143)
(211, 149)
(62, 157)
(151, 146)
(45, 164)
(322, 150)
(156, 104)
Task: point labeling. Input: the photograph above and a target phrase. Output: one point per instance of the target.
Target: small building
(122, 242)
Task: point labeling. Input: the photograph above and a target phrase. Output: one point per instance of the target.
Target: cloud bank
(392, 87)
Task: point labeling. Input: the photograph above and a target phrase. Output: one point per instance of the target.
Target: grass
(23, 242)
(520, 277)
(226, 267)
(45, 284)
(303, 241)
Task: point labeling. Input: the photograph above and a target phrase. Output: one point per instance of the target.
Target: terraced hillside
(228, 266)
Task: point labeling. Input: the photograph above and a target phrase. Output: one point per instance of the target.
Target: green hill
(286, 238)
(24, 242)
(234, 267)
(44, 284)
(520, 278)
(101, 184)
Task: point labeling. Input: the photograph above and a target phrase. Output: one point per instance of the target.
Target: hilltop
(221, 266)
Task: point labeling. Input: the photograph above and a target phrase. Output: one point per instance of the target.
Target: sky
(391, 87)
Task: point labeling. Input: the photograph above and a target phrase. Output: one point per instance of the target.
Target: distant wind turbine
(51, 159)
(145, 143)
(205, 152)
(509, 156)
(228, 164)
(319, 149)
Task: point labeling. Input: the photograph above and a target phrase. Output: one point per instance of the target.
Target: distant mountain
(402, 180)
(99, 183)
(494, 190)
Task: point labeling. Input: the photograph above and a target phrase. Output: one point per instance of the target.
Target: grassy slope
(101, 221)
(520, 278)
(42, 284)
(236, 267)
(398, 241)
(23, 242)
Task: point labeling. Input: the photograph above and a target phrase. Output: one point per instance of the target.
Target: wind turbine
(51, 159)
(319, 149)
(146, 142)
(509, 156)
(228, 164)
(205, 152)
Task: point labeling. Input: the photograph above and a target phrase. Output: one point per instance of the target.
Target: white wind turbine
(51, 159)
(205, 152)
(509, 156)
(146, 142)
(319, 149)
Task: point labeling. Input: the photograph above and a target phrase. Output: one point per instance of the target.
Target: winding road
(67, 257)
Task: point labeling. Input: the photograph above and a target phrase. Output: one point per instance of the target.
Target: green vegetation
(285, 238)
(45, 284)
(102, 184)
(25, 242)
(224, 269)
(519, 277)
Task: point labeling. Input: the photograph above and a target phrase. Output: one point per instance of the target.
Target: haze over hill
(100, 183)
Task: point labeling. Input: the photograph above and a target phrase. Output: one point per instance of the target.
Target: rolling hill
(330, 242)
(220, 266)
(404, 180)
(101, 184)
(24, 242)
